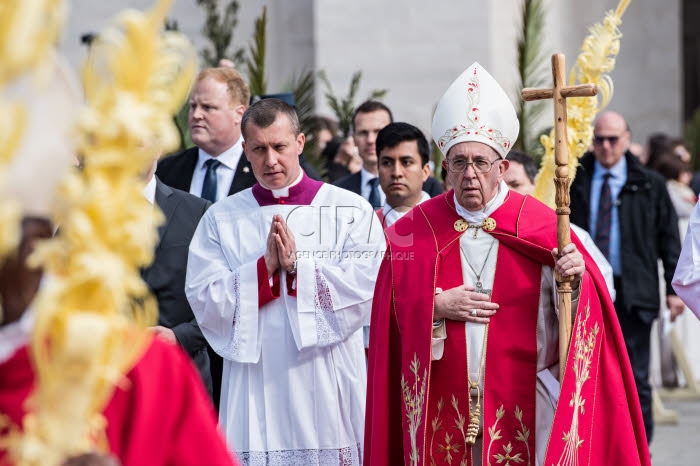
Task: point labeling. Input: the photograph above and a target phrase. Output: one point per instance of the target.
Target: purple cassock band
(300, 194)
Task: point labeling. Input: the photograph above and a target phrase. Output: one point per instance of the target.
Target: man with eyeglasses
(463, 360)
(627, 211)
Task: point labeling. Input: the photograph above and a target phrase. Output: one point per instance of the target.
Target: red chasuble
(418, 409)
(380, 216)
(162, 416)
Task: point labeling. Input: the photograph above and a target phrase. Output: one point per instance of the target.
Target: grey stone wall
(416, 48)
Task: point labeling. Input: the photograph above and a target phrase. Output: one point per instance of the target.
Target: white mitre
(50, 102)
(475, 108)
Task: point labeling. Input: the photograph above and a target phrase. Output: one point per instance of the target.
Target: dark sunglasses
(599, 140)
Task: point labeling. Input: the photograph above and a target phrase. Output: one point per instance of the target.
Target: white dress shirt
(149, 191)
(367, 189)
(224, 173)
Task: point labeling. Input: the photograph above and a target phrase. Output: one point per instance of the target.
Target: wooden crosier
(559, 93)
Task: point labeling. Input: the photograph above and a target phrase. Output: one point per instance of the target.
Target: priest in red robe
(463, 360)
(160, 412)
(160, 415)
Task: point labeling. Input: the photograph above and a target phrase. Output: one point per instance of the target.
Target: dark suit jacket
(309, 168)
(176, 171)
(166, 275)
(648, 231)
(351, 183)
(354, 183)
(432, 186)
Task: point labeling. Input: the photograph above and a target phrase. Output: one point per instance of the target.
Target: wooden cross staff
(559, 93)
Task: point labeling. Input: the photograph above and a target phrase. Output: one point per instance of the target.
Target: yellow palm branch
(92, 311)
(593, 65)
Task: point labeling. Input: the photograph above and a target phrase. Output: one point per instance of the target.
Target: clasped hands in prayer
(459, 303)
(281, 249)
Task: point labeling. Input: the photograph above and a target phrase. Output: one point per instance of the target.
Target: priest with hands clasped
(281, 250)
(464, 356)
(280, 279)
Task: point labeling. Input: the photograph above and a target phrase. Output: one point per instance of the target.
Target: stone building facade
(416, 48)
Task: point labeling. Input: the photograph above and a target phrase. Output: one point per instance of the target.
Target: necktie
(602, 228)
(374, 197)
(209, 186)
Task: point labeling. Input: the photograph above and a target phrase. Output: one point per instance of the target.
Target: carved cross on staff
(560, 92)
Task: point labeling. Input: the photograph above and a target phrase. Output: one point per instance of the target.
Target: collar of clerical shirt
(301, 192)
(391, 215)
(481, 215)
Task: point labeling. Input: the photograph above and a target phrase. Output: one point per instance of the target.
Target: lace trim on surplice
(348, 456)
(327, 326)
(233, 346)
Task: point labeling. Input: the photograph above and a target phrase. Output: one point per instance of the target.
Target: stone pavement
(675, 445)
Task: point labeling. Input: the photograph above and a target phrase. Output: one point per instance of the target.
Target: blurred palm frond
(534, 72)
(256, 60)
(303, 87)
(219, 31)
(343, 107)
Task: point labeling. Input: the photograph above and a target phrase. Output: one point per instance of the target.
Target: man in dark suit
(166, 275)
(216, 166)
(370, 118)
(628, 212)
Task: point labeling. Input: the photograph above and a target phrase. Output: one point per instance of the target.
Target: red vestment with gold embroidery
(161, 415)
(418, 409)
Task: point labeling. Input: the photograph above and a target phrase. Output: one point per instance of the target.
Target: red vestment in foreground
(162, 416)
(418, 409)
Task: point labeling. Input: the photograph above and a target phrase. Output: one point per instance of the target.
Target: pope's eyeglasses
(459, 165)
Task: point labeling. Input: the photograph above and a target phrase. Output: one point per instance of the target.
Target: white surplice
(294, 377)
(686, 279)
(474, 253)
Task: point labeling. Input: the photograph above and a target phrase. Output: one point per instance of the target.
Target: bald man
(520, 177)
(628, 212)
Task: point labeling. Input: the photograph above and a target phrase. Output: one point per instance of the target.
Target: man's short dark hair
(370, 106)
(526, 161)
(264, 112)
(395, 133)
